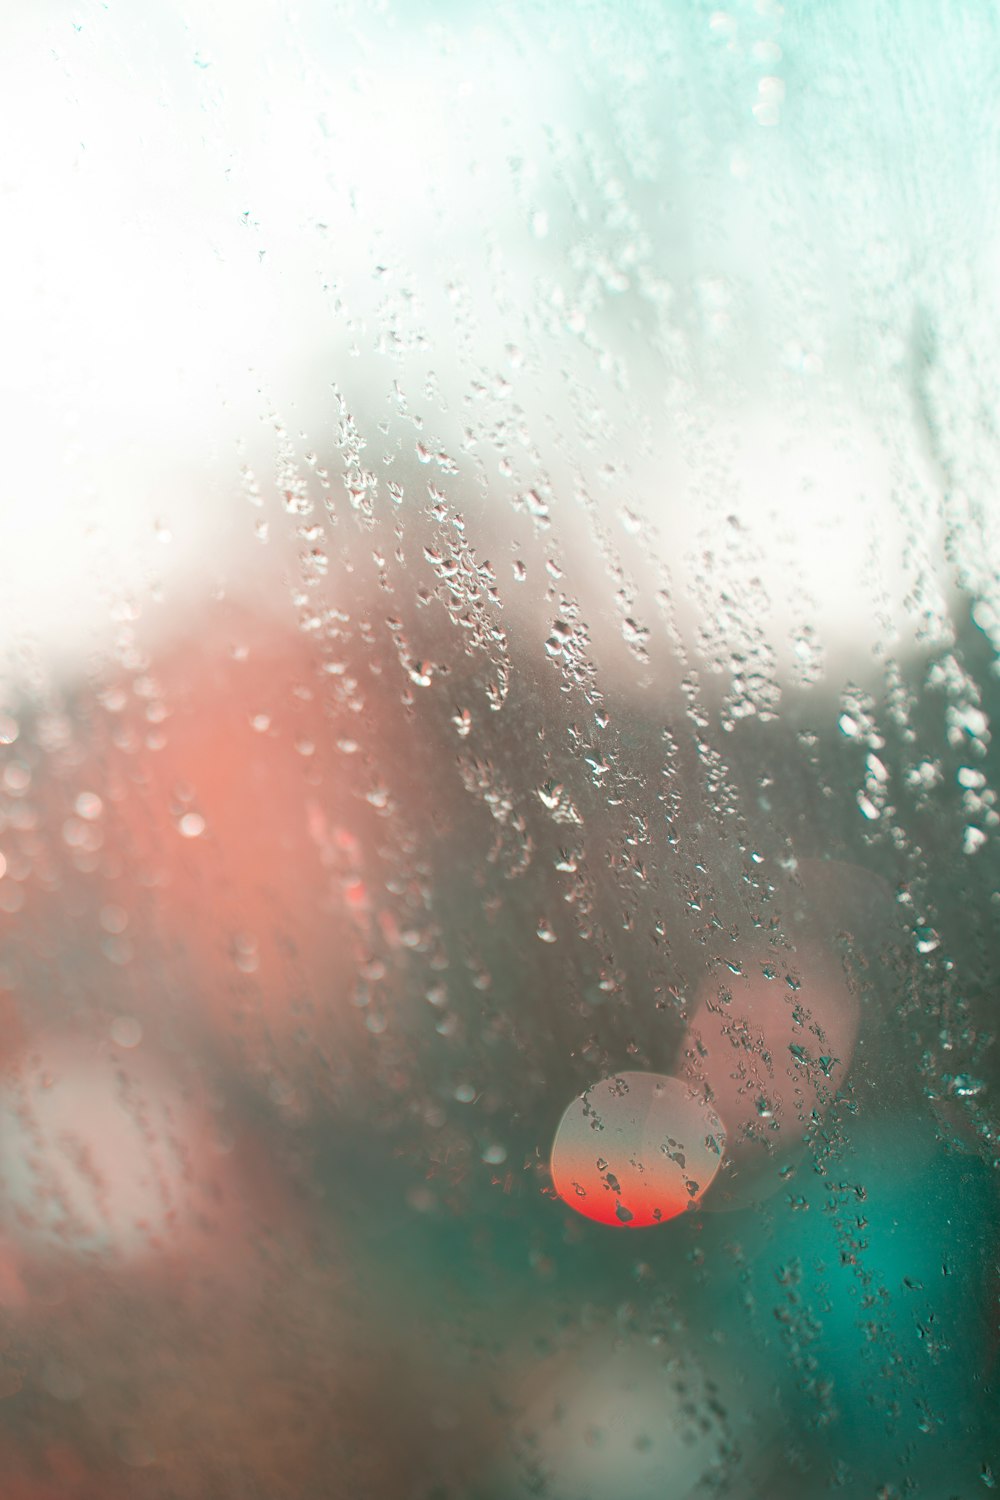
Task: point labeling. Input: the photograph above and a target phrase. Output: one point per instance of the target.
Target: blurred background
(499, 591)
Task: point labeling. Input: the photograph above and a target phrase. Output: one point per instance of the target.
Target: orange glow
(636, 1150)
(767, 1056)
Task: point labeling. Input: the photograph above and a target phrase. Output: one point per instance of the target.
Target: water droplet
(62, 1382)
(126, 1031)
(927, 939)
(88, 805)
(535, 505)
(964, 1086)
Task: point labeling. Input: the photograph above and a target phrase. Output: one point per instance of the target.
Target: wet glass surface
(499, 621)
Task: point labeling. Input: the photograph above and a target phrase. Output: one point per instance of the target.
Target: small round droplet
(126, 1031)
(89, 805)
(62, 1381)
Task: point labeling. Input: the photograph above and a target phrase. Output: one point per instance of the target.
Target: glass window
(499, 622)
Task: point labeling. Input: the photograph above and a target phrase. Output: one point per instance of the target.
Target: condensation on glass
(499, 622)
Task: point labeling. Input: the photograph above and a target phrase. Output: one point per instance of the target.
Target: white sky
(179, 187)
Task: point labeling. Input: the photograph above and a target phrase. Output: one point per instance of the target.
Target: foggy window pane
(499, 624)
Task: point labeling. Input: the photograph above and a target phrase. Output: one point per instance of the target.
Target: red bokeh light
(636, 1150)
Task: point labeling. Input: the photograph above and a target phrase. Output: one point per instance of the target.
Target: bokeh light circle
(636, 1149)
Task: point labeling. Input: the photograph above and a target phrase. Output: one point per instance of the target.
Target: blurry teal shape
(878, 1274)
